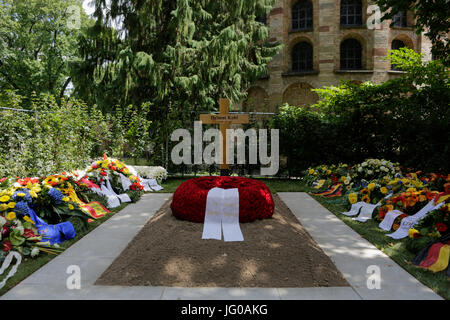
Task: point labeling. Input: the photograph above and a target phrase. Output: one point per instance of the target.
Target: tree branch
(11, 82)
(61, 95)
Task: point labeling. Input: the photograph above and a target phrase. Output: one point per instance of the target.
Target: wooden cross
(224, 119)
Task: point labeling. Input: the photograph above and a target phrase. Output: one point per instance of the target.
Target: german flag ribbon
(93, 209)
(333, 190)
(435, 256)
(442, 261)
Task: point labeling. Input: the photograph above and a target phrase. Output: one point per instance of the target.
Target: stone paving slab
(353, 254)
(340, 293)
(96, 251)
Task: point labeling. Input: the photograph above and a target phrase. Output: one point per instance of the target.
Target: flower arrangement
(100, 169)
(19, 233)
(372, 180)
(324, 177)
(255, 198)
(54, 199)
(158, 173)
(373, 169)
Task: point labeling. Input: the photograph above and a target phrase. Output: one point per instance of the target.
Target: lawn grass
(275, 185)
(395, 249)
(30, 265)
(370, 231)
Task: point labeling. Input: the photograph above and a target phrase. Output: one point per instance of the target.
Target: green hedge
(405, 120)
(53, 137)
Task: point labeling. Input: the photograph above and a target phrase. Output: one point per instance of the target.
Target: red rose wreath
(255, 199)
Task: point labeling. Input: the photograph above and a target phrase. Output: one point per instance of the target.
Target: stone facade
(283, 85)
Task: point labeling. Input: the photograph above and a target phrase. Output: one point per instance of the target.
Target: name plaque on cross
(224, 119)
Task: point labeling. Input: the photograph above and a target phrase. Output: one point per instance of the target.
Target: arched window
(302, 57)
(351, 13)
(351, 55)
(302, 15)
(396, 44)
(400, 19)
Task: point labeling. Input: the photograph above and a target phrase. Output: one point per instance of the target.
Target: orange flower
(365, 191)
(447, 187)
(430, 195)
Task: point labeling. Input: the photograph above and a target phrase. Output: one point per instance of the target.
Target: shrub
(49, 139)
(404, 120)
(306, 137)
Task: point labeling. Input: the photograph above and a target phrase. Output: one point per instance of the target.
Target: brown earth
(277, 252)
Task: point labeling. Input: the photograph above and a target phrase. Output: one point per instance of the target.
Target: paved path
(96, 251)
(353, 255)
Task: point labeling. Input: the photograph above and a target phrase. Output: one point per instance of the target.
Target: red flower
(255, 199)
(95, 166)
(2, 179)
(447, 187)
(441, 227)
(113, 168)
(7, 246)
(103, 174)
(417, 235)
(28, 233)
(5, 231)
(136, 186)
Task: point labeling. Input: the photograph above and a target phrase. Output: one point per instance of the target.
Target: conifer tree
(181, 56)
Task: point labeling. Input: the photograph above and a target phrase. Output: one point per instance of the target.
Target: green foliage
(404, 120)
(66, 136)
(135, 195)
(181, 56)
(37, 45)
(54, 139)
(63, 213)
(306, 137)
(79, 224)
(94, 197)
(128, 133)
(432, 17)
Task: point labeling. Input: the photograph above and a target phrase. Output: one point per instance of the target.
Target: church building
(324, 42)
